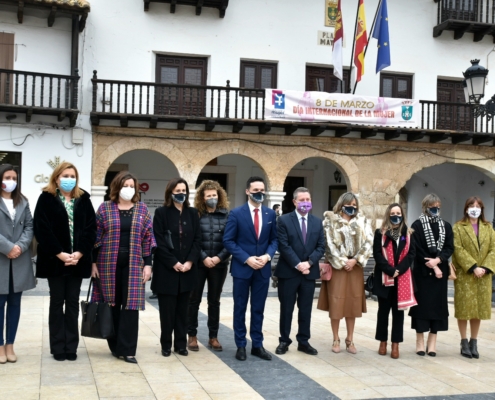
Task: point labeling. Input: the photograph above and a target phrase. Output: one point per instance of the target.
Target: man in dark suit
(251, 237)
(301, 244)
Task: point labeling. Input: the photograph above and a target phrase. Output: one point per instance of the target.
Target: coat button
(184, 223)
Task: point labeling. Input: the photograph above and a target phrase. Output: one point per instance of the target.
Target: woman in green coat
(474, 260)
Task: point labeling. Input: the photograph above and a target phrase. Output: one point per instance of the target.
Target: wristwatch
(269, 258)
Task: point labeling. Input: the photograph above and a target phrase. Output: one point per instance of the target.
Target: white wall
(453, 183)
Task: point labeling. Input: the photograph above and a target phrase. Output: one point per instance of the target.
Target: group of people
(185, 247)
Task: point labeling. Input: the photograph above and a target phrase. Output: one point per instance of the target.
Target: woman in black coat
(65, 228)
(434, 246)
(393, 251)
(212, 203)
(178, 237)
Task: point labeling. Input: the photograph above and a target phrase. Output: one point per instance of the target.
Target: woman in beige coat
(474, 260)
(349, 245)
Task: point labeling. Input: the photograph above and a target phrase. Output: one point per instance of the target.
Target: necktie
(303, 228)
(256, 223)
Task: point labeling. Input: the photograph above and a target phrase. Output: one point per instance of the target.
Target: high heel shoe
(432, 341)
(420, 344)
(3, 356)
(11, 357)
(349, 346)
(336, 346)
(465, 350)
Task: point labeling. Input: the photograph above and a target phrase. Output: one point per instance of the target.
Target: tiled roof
(75, 4)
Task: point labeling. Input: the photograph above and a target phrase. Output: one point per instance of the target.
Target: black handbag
(368, 286)
(97, 321)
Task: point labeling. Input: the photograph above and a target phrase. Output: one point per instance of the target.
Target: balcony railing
(460, 16)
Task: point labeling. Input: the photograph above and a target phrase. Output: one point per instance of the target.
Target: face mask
(474, 212)
(396, 219)
(349, 210)
(304, 206)
(67, 184)
(434, 211)
(127, 193)
(257, 197)
(9, 186)
(179, 197)
(279, 212)
(211, 203)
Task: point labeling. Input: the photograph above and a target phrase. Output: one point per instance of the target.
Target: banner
(292, 105)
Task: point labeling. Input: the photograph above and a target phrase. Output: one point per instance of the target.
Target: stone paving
(208, 375)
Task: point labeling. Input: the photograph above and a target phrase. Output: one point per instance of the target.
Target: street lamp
(474, 90)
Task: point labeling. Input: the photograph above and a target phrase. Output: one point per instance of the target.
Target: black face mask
(179, 197)
(434, 211)
(349, 210)
(396, 219)
(257, 197)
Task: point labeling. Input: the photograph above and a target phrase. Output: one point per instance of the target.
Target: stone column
(192, 195)
(98, 195)
(274, 198)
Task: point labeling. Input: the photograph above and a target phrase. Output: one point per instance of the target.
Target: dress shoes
(9, 349)
(282, 348)
(395, 350)
(166, 352)
(214, 344)
(261, 353)
(192, 343)
(307, 348)
(153, 296)
(131, 360)
(382, 350)
(181, 352)
(241, 354)
(115, 354)
(71, 356)
(60, 357)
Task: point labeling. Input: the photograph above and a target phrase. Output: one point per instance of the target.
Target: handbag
(369, 284)
(452, 276)
(97, 320)
(325, 271)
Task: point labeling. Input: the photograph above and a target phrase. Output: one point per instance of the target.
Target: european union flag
(381, 33)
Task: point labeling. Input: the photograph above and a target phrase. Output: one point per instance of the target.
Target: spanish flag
(361, 41)
(337, 56)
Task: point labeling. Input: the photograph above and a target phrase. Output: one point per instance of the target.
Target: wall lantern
(338, 176)
(474, 90)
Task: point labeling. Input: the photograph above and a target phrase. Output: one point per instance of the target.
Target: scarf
(405, 290)
(426, 220)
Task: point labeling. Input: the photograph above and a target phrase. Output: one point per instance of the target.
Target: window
(396, 86)
(258, 75)
(320, 79)
(182, 71)
(452, 111)
(6, 62)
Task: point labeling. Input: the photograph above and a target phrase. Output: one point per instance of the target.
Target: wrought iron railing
(482, 11)
(36, 89)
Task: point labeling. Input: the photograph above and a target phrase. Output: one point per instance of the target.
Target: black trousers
(291, 290)
(126, 322)
(215, 278)
(173, 318)
(384, 306)
(63, 325)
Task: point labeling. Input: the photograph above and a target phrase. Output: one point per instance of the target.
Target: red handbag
(325, 271)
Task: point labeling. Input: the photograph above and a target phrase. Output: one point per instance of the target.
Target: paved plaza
(209, 375)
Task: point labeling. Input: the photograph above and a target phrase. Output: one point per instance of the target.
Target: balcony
(174, 106)
(221, 5)
(460, 16)
(28, 93)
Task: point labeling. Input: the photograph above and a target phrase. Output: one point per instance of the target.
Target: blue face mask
(258, 197)
(67, 184)
(349, 210)
(396, 219)
(434, 211)
(179, 197)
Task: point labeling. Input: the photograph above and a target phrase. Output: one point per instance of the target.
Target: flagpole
(353, 43)
(371, 32)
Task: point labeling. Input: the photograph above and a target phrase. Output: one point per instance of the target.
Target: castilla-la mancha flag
(337, 56)
(361, 41)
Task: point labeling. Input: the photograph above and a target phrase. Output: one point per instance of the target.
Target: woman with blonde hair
(393, 250)
(65, 228)
(474, 260)
(349, 246)
(212, 203)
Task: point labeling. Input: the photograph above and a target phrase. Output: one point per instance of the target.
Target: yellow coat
(473, 296)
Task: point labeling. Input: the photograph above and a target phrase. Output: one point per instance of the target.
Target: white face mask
(127, 193)
(474, 212)
(9, 186)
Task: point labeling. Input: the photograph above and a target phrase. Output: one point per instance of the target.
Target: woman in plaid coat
(123, 249)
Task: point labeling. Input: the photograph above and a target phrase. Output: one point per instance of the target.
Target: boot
(382, 350)
(473, 346)
(465, 350)
(214, 344)
(395, 350)
(192, 343)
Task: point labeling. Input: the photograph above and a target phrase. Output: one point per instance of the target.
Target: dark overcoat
(187, 247)
(51, 229)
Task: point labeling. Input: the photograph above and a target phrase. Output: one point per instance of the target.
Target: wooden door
(291, 183)
(6, 62)
(456, 117)
(319, 79)
(183, 71)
